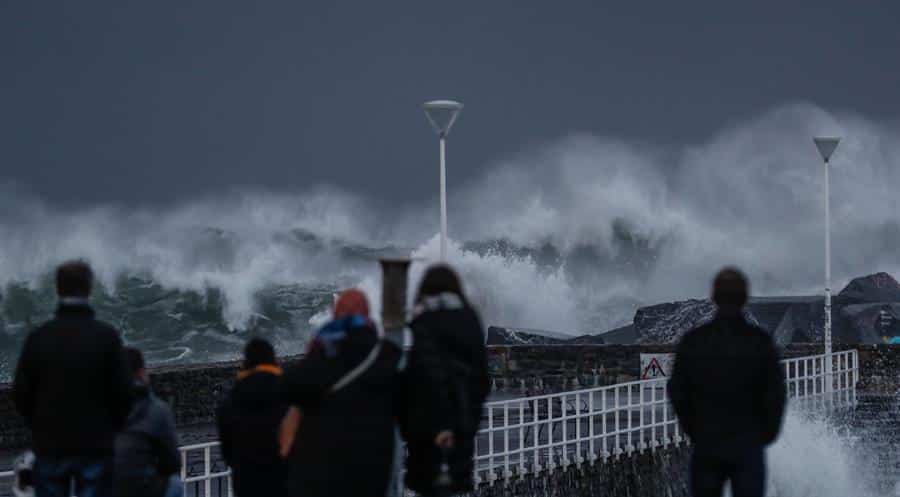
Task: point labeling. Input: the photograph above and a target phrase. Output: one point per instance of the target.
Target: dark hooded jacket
(345, 442)
(146, 452)
(72, 385)
(727, 386)
(249, 420)
(447, 385)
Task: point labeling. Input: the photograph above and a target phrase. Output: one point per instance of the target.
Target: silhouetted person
(728, 391)
(147, 461)
(346, 389)
(249, 421)
(448, 383)
(73, 388)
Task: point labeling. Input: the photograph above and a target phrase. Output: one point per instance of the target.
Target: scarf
(262, 368)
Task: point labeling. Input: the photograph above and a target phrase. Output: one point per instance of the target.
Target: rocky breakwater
(867, 310)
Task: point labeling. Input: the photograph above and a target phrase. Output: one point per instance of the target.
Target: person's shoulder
(42, 333)
(105, 331)
(47, 326)
(104, 327)
(42, 329)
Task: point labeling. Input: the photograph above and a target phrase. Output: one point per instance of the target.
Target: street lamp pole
(826, 147)
(442, 114)
(443, 196)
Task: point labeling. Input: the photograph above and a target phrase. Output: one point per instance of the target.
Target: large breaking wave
(572, 236)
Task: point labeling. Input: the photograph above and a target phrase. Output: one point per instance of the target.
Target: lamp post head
(826, 146)
(442, 114)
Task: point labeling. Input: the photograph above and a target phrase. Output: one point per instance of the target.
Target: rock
(518, 336)
(878, 287)
(667, 323)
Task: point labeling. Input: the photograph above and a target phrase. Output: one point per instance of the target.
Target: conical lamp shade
(442, 114)
(826, 146)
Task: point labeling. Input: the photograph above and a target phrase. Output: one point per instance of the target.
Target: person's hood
(258, 388)
(446, 301)
(352, 302)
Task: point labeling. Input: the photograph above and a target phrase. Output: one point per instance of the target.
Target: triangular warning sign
(653, 370)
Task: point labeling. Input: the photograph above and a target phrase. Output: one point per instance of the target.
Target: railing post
(491, 474)
(593, 450)
(617, 450)
(521, 437)
(605, 452)
(641, 444)
(565, 425)
(507, 473)
(207, 470)
(183, 469)
(536, 462)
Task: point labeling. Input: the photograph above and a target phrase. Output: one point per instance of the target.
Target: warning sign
(656, 365)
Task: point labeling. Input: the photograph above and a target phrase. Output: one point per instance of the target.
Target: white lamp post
(442, 114)
(826, 146)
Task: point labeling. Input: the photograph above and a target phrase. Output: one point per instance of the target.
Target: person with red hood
(345, 391)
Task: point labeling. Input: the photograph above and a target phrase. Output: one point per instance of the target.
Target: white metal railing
(202, 473)
(545, 432)
(807, 380)
(531, 434)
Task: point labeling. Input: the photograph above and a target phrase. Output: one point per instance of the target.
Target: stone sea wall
(662, 472)
(195, 391)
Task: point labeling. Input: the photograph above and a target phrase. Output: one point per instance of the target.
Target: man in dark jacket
(728, 391)
(147, 459)
(346, 389)
(447, 385)
(249, 421)
(73, 389)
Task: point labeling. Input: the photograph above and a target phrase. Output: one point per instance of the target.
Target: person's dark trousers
(58, 476)
(250, 480)
(745, 469)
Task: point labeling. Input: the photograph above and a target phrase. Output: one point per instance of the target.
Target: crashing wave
(570, 237)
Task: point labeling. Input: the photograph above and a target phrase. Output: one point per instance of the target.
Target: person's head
(136, 366)
(730, 290)
(258, 352)
(439, 279)
(74, 279)
(352, 302)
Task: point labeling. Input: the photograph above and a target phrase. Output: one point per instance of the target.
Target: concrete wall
(662, 472)
(195, 391)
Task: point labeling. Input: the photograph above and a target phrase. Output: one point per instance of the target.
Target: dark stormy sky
(136, 102)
